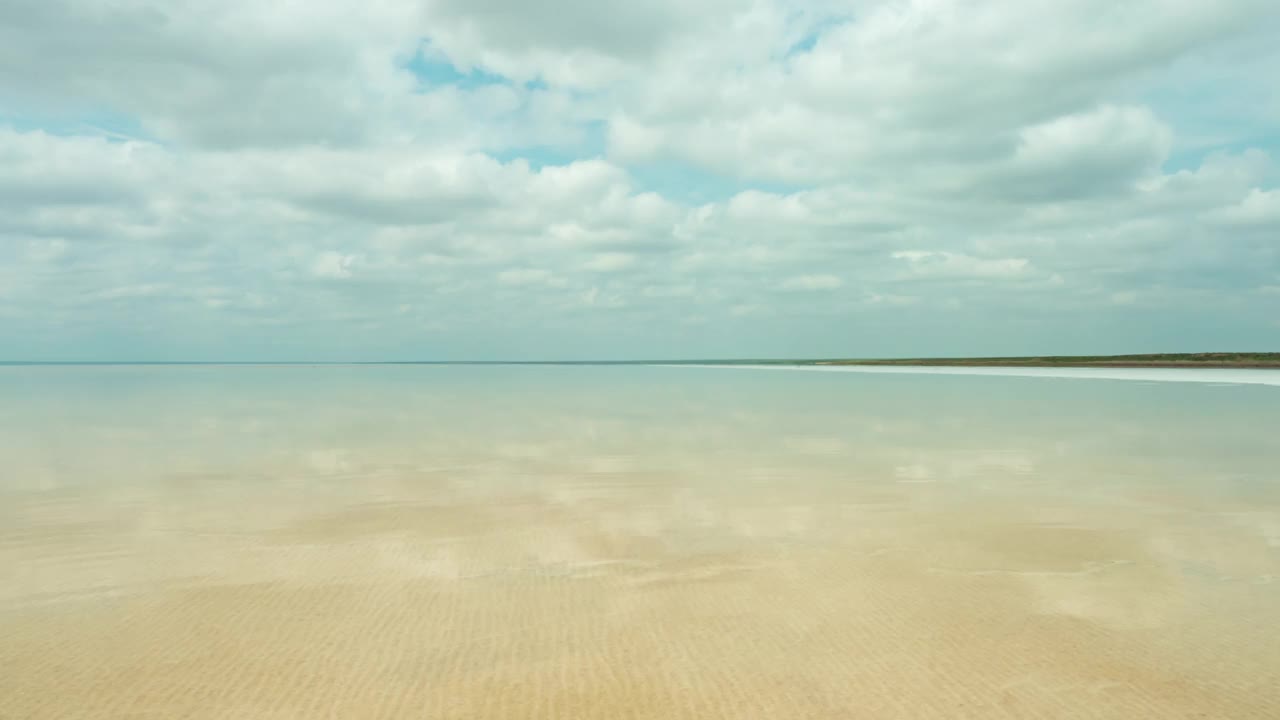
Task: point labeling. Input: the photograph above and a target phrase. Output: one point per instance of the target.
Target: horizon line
(634, 361)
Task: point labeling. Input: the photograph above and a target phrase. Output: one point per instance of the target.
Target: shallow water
(549, 542)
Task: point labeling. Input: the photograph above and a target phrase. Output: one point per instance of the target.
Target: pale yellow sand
(633, 570)
(631, 604)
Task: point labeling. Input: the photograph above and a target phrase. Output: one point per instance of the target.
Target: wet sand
(635, 543)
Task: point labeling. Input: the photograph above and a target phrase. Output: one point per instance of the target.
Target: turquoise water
(550, 541)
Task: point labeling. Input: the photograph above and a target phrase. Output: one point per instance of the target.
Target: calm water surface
(632, 542)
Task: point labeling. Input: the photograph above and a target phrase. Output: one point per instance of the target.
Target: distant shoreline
(1182, 360)
(1184, 365)
(1257, 361)
(960, 363)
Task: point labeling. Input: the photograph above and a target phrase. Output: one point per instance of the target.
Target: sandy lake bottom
(634, 542)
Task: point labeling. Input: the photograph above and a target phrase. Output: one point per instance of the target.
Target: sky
(573, 179)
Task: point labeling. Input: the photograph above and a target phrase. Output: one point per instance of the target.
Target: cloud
(812, 282)
(45, 251)
(331, 264)
(610, 262)
(498, 179)
(1095, 153)
(574, 43)
(229, 74)
(528, 276)
(910, 85)
(1260, 208)
(927, 263)
(41, 169)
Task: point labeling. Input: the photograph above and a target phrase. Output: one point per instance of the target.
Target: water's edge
(1233, 376)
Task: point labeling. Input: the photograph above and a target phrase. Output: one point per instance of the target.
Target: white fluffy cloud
(946, 264)
(812, 282)
(1258, 209)
(496, 178)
